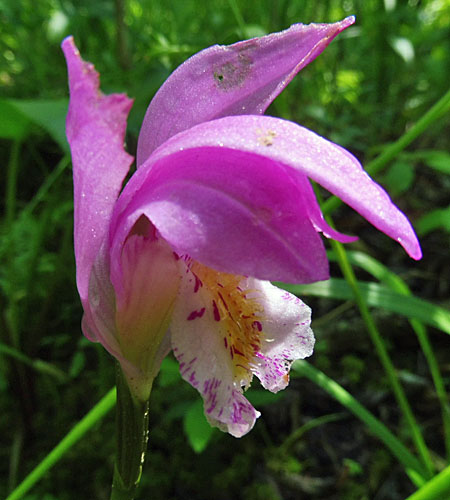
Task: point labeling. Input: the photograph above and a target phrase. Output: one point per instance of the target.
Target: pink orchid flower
(220, 203)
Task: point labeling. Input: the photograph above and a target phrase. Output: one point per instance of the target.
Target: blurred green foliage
(363, 92)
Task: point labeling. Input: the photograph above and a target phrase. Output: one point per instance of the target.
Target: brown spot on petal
(265, 137)
(234, 72)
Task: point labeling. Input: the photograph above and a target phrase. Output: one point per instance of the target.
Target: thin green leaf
(296, 435)
(412, 466)
(383, 355)
(383, 274)
(437, 488)
(438, 160)
(49, 114)
(378, 296)
(196, 427)
(14, 124)
(437, 219)
(389, 153)
(84, 425)
(376, 269)
(36, 364)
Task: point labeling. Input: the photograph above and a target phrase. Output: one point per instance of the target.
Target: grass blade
(412, 466)
(85, 424)
(377, 295)
(390, 152)
(437, 488)
(382, 273)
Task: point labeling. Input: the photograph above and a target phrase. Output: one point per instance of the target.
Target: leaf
(260, 397)
(353, 467)
(13, 125)
(169, 372)
(196, 427)
(77, 364)
(254, 30)
(49, 114)
(436, 219)
(378, 296)
(439, 160)
(412, 466)
(399, 178)
(376, 269)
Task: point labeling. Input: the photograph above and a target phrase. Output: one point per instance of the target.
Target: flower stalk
(131, 440)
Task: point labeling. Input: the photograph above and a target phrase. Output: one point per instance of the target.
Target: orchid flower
(220, 204)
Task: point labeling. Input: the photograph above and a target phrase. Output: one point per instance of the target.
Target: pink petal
(231, 210)
(133, 326)
(228, 193)
(99, 316)
(277, 149)
(99, 312)
(315, 214)
(95, 130)
(243, 78)
(144, 307)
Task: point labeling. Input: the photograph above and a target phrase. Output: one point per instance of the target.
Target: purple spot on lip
(196, 314)
(223, 301)
(211, 408)
(258, 325)
(198, 283)
(193, 380)
(216, 311)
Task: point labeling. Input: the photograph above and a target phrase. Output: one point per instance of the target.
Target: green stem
(441, 392)
(80, 429)
(390, 152)
(36, 364)
(312, 424)
(383, 274)
(46, 186)
(333, 314)
(437, 488)
(11, 182)
(132, 437)
(385, 359)
(413, 467)
(238, 16)
(121, 36)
